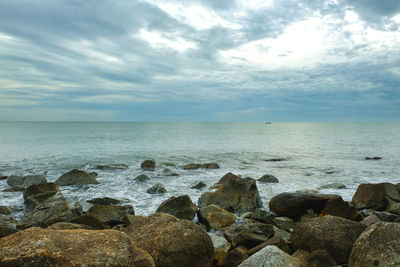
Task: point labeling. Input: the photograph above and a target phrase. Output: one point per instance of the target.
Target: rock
(320, 258)
(284, 234)
(110, 215)
(375, 196)
(40, 189)
(25, 181)
(142, 178)
(215, 217)
(210, 166)
(275, 160)
(3, 177)
(54, 209)
(46, 247)
(243, 235)
(221, 247)
(276, 240)
(302, 256)
(69, 226)
(338, 207)
(35, 200)
(370, 220)
(134, 219)
(89, 221)
(5, 210)
(181, 207)
(233, 194)
(283, 223)
(14, 189)
(379, 245)
(195, 166)
(271, 256)
(336, 235)
(112, 167)
(172, 241)
(76, 177)
(168, 172)
(148, 165)
(268, 178)
(7, 226)
(263, 216)
(373, 158)
(157, 189)
(294, 205)
(333, 186)
(191, 166)
(104, 201)
(198, 185)
(382, 215)
(235, 257)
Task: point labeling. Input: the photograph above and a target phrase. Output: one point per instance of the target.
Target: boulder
(157, 189)
(112, 167)
(69, 226)
(215, 217)
(277, 241)
(243, 235)
(77, 177)
(104, 201)
(142, 178)
(235, 257)
(148, 165)
(370, 220)
(89, 221)
(338, 207)
(271, 256)
(320, 258)
(221, 247)
(134, 219)
(336, 235)
(375, 196)
(302, 256)
(233, 194)
(5, 210)
(14, 189)
(172, 241)
(109, 214)
(379, 245)
(268, 178)
(294, 205)
(40, 189)
(8, 226)
(25, 181)
(198, 185)
(181, 207)
(168, 172)
(46, 247)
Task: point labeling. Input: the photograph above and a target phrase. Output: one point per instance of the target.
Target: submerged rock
(271, 256)
(104, 201)
(333, 186)
(198, 185)
(142, 178)
(181, 207)
(46, 247)
(215, 217)
(268, 178)
(275, 159)
(168, 172)
(112, 167)
(157, 189)
(25, 181)
(148, 165)
(77, 177)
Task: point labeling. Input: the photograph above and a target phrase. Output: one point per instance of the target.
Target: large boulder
(379, 245)
(77, 177)
(375, 196)
(233, 194)
(336, 235)
(271, 256)
(215, 217)
(25, 181)
(8, 226)
(172, 241)
(339, 207)
(46, 247)
(294, 205)
(109, 214)
(181, 207)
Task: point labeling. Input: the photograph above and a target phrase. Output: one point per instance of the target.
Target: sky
(210, 60)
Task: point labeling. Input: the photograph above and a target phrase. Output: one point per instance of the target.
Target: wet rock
(271, 256)
(333, 186)
(14, 189)
(370, 220)
(294, 205)
(3, 177)
(375, 196)
(7, 226)
(172, 241)
(268, 178)
(373, 158)
(76, 177)
(382, 215)
(105, 201)
(338, 207)
(191, 166)
(320, 258)
(283, 223)
(181, 207)
(336, 235)
(25, 181)
(148, 165)
(142, 178)
(38, 194)
(235, 257)
(89, 221)
(233, 194)
(379, 245)
(69, 226)
(168, 172)
(46, 247)
(276, 240)
(275, 160)
(5, 210)
(263, 216)
(110, 215)
(112, 167)
(221, 247)
(210, 166)
(195, 166)
(157, 189)
(242, 235)
(198, 185)
(215, 217)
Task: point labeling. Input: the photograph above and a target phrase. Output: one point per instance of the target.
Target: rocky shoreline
(232, 226)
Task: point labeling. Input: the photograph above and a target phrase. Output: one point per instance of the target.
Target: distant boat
(268, 123)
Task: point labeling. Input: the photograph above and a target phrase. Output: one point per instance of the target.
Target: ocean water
(315, 154)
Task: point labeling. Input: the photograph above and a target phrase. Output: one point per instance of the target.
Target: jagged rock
(112, 167)
(172, 241)
(39, 193)
(338, 207)
(181, 207)
(336, 235)
(168, 172)
(46, 247)
(221, 247)
(235, 257)
(14, 189)
(320, 258)
(142, 178)
(5, 210)
(110, 215)
(294, 205)
(276, 240)
(375, 196)
(69, 226)
(157, 189)
(248, 235)
(89, 221)
(271, 256)
(104, 201)
(379, 245)
(268, 178)
(263, 216)
(198, 185)
(233, 194)
(215, 217)
(333, 186)
(26, 181)
(76, 177)
(148, 165)
(370, 220)
(7, 226)
(283, 223)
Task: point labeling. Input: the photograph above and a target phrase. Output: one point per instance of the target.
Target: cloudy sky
(210, 60)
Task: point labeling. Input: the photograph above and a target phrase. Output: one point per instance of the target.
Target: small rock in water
(148, 165)
(112, 167)
(373, 158)
(268, 178)
(3, 177)
(275, 160)
(14, 189)
(333, 186)
(168, 172)
(157, 189)
(5, 210)
(104, 201)
(142, 178)
(198, 185)
(195, 166)
(76, 177)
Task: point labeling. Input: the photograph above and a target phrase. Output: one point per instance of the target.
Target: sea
(312, 155)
